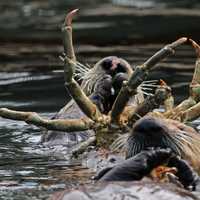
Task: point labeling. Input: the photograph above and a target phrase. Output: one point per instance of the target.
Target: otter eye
(107, 64)
(121, 68)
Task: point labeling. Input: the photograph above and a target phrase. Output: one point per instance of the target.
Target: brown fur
(187, 138)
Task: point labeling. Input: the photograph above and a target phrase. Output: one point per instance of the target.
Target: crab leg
(183, 106)
(188, 109)
(169, 101)
(195, 84)
(149, 104)
(190, 114)
(72, 86)
(194, 111)
(68, 125)
(67, 35)
(83, 146)
(139, 75)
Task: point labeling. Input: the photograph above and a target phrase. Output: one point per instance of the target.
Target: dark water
(29, 170)
(30, 42)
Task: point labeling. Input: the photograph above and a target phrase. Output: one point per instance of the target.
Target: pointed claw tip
(183, 39)
(196, 46)
(162, 83)
(69, 17)
(178, 42)
(75, 10)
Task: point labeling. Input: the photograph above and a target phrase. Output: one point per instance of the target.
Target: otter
(153, 132)
(142, 164)
(102, 84)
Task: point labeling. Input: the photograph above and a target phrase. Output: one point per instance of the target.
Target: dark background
(30, 38)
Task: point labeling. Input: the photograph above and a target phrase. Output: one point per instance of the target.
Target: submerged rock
(129, 190)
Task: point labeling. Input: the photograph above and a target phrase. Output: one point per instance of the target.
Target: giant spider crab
(121, 116)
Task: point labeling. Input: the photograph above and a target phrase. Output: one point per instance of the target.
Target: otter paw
(186, 175)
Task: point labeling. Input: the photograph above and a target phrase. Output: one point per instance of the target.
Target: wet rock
(132, 190)
(78, 195)
(96, 160)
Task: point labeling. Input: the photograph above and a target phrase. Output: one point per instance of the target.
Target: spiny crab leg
(69, 17)
(67, 35)
(189, 108)
(150, 103)
(83, 146)
(85, 104)
(69, 125)
(169, 101)
(194, 111)
(190, 114)
(196, 47)
(139, 75)
(195, 84)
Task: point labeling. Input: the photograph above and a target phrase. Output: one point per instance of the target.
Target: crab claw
(196, 47)
(178, 42)
(162, 83)
(69, 17)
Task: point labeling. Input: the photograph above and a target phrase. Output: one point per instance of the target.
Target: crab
(121, 117)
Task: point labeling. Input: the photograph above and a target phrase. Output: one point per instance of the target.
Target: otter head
(151, 132)
(148, 133)
(111, 66)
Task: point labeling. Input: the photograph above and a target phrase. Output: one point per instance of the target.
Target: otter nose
(114, 64)
(110, 63)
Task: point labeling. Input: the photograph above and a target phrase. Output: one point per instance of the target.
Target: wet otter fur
(152, 132)
(94, 81)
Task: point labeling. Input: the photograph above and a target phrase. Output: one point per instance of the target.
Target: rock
(129, 190)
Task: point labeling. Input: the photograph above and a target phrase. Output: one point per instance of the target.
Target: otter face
(114, 65)
(152, 132)
(111, 66)
(149, 133)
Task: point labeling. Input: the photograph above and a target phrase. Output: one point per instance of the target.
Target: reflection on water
(158, 3)
(137, 4)
(26, 166)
